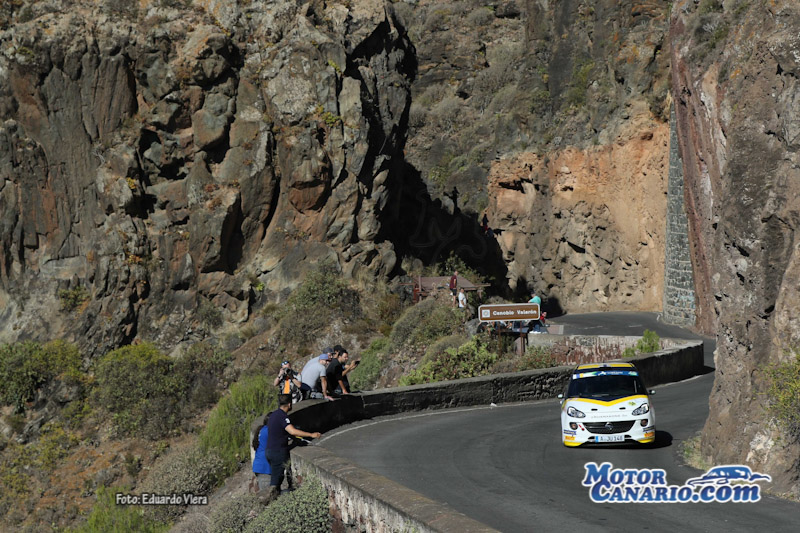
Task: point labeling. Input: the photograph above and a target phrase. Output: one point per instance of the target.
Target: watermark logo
(727, 483)
(148, 498)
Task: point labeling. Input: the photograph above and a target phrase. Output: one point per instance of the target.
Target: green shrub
(783, 394)
(576, 94)
(469, 360)
(53, 445)
(649, 343)
(228, 429)
(72, 299)
(137, 385)
(209, 314)
(201, 368)
(108, 517)
(366, 374)
(537, 357)
(305, 510)
(191, 470)
(15, 463)
(629, 352)
(323, 296)
(453, 263)
(481, 16)
(26, 366)
(234, 514)
(440, 346)
(147, 391)
(424, 323)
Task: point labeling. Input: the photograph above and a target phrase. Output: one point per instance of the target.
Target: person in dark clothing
(337, 371)
(280, 429)
(453, 286)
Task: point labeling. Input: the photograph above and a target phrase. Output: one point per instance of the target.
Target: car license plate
(610, 438)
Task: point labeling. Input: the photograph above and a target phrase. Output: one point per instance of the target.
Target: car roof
(594, 366)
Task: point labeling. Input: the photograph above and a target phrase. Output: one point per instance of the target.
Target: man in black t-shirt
(279, 429)
(337, 371)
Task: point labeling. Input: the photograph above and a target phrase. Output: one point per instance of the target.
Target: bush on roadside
(629, 352)
(108, 517)
(468, 360)
(424, 323)
(305, 510)
(649, 343)
(366, 374)
(227, 432)
(537, 357)
(235, 513)
(190, 470)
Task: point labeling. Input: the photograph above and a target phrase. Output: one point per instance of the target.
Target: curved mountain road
(506, 467)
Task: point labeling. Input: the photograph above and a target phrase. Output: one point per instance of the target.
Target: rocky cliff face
(550, 117)
(735, 69)
(158, 161)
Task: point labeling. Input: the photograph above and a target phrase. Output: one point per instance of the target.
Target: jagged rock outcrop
(735, 71)
(156, 160)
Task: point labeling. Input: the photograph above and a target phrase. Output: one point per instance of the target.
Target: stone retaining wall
(365, 501)
(679, 298)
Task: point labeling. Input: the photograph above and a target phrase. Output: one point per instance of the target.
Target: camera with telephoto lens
(288, 373)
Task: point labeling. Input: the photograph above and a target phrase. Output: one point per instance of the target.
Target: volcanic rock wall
(159, 161)
(735, 69)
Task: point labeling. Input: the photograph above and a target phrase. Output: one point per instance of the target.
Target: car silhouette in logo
(722, 475)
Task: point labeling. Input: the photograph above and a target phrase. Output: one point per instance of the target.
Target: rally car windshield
(605, 386)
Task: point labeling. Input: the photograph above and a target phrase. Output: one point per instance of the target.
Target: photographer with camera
(288, 383)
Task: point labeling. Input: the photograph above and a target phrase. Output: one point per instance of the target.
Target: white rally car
(606, 403)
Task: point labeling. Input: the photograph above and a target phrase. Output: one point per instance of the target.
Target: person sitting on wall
(287, 382)
(337, 373)
(314, 382)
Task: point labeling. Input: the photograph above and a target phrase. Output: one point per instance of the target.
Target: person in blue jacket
(260, 464)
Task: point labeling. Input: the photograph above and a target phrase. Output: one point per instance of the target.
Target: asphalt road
(506, 467)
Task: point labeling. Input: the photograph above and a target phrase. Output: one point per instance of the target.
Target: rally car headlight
(571, 411)
(642, 409)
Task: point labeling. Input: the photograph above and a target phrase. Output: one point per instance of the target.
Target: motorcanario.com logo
(727, 483)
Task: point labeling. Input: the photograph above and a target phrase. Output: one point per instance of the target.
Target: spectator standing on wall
(314, 383)
(454, 286)
(280, 430)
